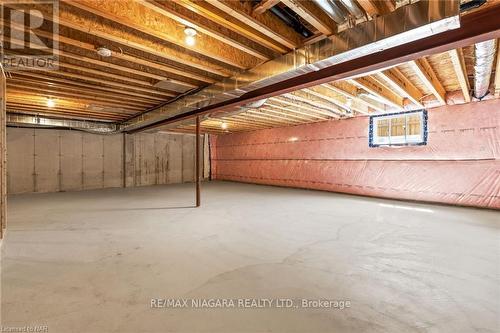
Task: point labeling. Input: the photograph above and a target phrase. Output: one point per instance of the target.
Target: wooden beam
(267, 114)
(457, 59)
(67, 101)
(286, 112)
(315, 101)
(46, 79)
(295, 110)
(265, 5)
(207, 27)
(426, 74)
(33, 83)
(128, 40)
(373, 87)
(386, 6)
(20, 88)
(369, 7)
(475, 26)
(110, 83)
(123, 56)
(3, 155)
(266, 23)
(56, 111)
(313, 15)
(340, 100)
(402, 85)
(197, 162)
(231, 23)
(307, 108)
(351, 91)
(165, 28)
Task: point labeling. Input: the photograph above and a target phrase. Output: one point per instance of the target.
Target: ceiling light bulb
(190, 32)
(223, 126)
(190, 40)
(190, 36)
(51, 103)
(104, 51)
(348, 103)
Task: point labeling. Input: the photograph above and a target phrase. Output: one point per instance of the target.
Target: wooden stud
(351, 91)
(402, 85)
(68, 19)
(265, 5)
(373, 87)
(115, 84)
(340, 100)
(428, 77)
(231, 23)
(204, 26)
(292, 100)
(55, 87)
(48, 78)
(57, 94)
(369, 7)
(265, 23)
(457, 59)
(275, 103)
(313, 15)
(197, 162)
(152, 24)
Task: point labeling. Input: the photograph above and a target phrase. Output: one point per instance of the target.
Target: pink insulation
(459, 165)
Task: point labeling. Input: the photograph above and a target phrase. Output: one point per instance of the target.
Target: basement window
(399, 129)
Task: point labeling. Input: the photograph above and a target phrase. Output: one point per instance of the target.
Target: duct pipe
(333, 10)
(25, 120)
(485, 54)
(404, 25)
(353, 8)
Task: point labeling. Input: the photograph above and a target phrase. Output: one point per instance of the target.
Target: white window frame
(401, 140)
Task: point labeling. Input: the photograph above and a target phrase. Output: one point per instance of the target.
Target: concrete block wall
(49, 160)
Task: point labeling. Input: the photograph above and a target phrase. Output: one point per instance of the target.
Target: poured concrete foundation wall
(48, 160)
(459, 165)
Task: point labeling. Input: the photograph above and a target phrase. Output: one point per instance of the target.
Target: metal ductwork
(332, 8)
(353, 8)
(485, 55)
(24, 120)
(406, 24)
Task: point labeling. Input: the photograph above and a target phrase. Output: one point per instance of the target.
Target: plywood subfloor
(91, 261)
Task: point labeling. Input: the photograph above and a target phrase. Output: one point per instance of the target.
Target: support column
(3, 155)
(197, 162)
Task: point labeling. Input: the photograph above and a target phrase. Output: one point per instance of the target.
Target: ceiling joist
(402, 85)
(428, 77)
(313, 15)
(457, 59)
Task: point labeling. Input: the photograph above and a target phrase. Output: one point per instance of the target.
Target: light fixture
(348, 105)
(103, 51)
(223, 125)
(190, 36)
(51, 103)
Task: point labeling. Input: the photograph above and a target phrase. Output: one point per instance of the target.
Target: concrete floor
(91, 261)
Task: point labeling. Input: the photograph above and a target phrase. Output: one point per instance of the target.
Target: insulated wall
(48, 160)
(459, 165)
